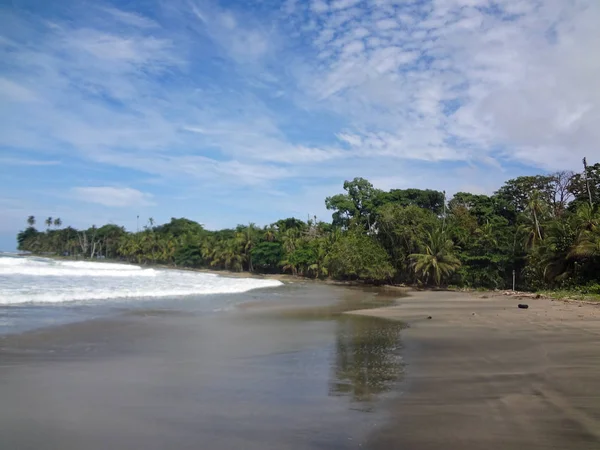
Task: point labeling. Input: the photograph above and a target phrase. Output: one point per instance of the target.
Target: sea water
(38, 291)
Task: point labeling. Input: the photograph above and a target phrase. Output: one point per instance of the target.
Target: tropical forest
(534, 233)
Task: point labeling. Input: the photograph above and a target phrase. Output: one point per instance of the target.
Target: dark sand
(483, 374)
(302, 372)
(286, 370)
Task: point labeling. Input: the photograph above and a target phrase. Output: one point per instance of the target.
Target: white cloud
(27, 162)
(128, 18)
(112, 196)
(465, 81)
(13, 91)
(319, 6)
(242, 38)
(343, 4)
(312, 94)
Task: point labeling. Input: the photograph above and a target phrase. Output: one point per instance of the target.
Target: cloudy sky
(237, 111)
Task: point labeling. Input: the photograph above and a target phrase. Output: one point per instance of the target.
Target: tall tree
(426, 199)
(358, 205)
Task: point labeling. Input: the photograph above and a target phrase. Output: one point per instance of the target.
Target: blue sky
(237, 111)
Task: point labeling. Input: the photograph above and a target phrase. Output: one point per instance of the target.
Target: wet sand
(483, 374)
(298, 367)
(285, 370)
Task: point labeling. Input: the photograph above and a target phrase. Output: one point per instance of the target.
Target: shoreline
(555, 295)
(301, 376)
(477, 371)
(483, 373)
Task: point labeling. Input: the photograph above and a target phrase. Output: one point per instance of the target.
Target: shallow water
(259, 376)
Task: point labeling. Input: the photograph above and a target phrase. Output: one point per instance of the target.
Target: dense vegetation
(545, 228)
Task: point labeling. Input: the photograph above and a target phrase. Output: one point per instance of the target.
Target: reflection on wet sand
(368, 360)
(286, 372)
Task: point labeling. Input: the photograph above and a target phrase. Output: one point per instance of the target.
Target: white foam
(37, 280)
(97, 266)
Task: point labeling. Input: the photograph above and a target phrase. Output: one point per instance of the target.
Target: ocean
(96, 355)
(37, 292)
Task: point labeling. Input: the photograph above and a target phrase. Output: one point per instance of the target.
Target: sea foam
(41, 280)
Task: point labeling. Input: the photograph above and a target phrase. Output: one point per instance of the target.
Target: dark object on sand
(429, 317)
(523, 306)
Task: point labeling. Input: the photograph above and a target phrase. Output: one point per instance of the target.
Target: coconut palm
(49, 222)
(437, 260)
(587, 246)
(536, 208)
(227, 256)
(31, 221)
(57, 222)
(587, 218)
(245, 238)
(554, 251)
(321, 248)
(269, 234)
(290, 239)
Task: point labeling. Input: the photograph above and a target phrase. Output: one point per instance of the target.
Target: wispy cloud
(27, 162)
(112, 196)
(452, 79)
(128, 18)
(278, 101)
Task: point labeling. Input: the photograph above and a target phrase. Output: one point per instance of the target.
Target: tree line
(543, 229)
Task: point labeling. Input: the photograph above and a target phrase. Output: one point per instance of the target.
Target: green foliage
(359, 256)
(402, 231)
(437, 261)
(267, 256)
(358, 206)
(425, 199)
(28, 238)
(578, 187)
(180, 227)
(528, 226)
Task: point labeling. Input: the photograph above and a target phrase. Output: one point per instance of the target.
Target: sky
(249, 111)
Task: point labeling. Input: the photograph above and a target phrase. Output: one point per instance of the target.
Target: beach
(484, 374)
(310, 366)
(284, 368)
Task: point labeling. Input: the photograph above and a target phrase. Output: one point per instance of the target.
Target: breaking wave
(42, 280)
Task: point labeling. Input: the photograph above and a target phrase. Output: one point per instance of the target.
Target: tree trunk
(537, 225)
(83, 242)
(587, 182)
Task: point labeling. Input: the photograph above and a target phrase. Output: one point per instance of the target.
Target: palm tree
(269, 235)
(49, 222)
(245, 238)
(150, 222)
(554, 251)
(437, 261)
(587, 218)
(290, 239)
(535, 206)
(227, 256)
(57, 222)
(587, 246)
(322, 248)
(31, 221)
